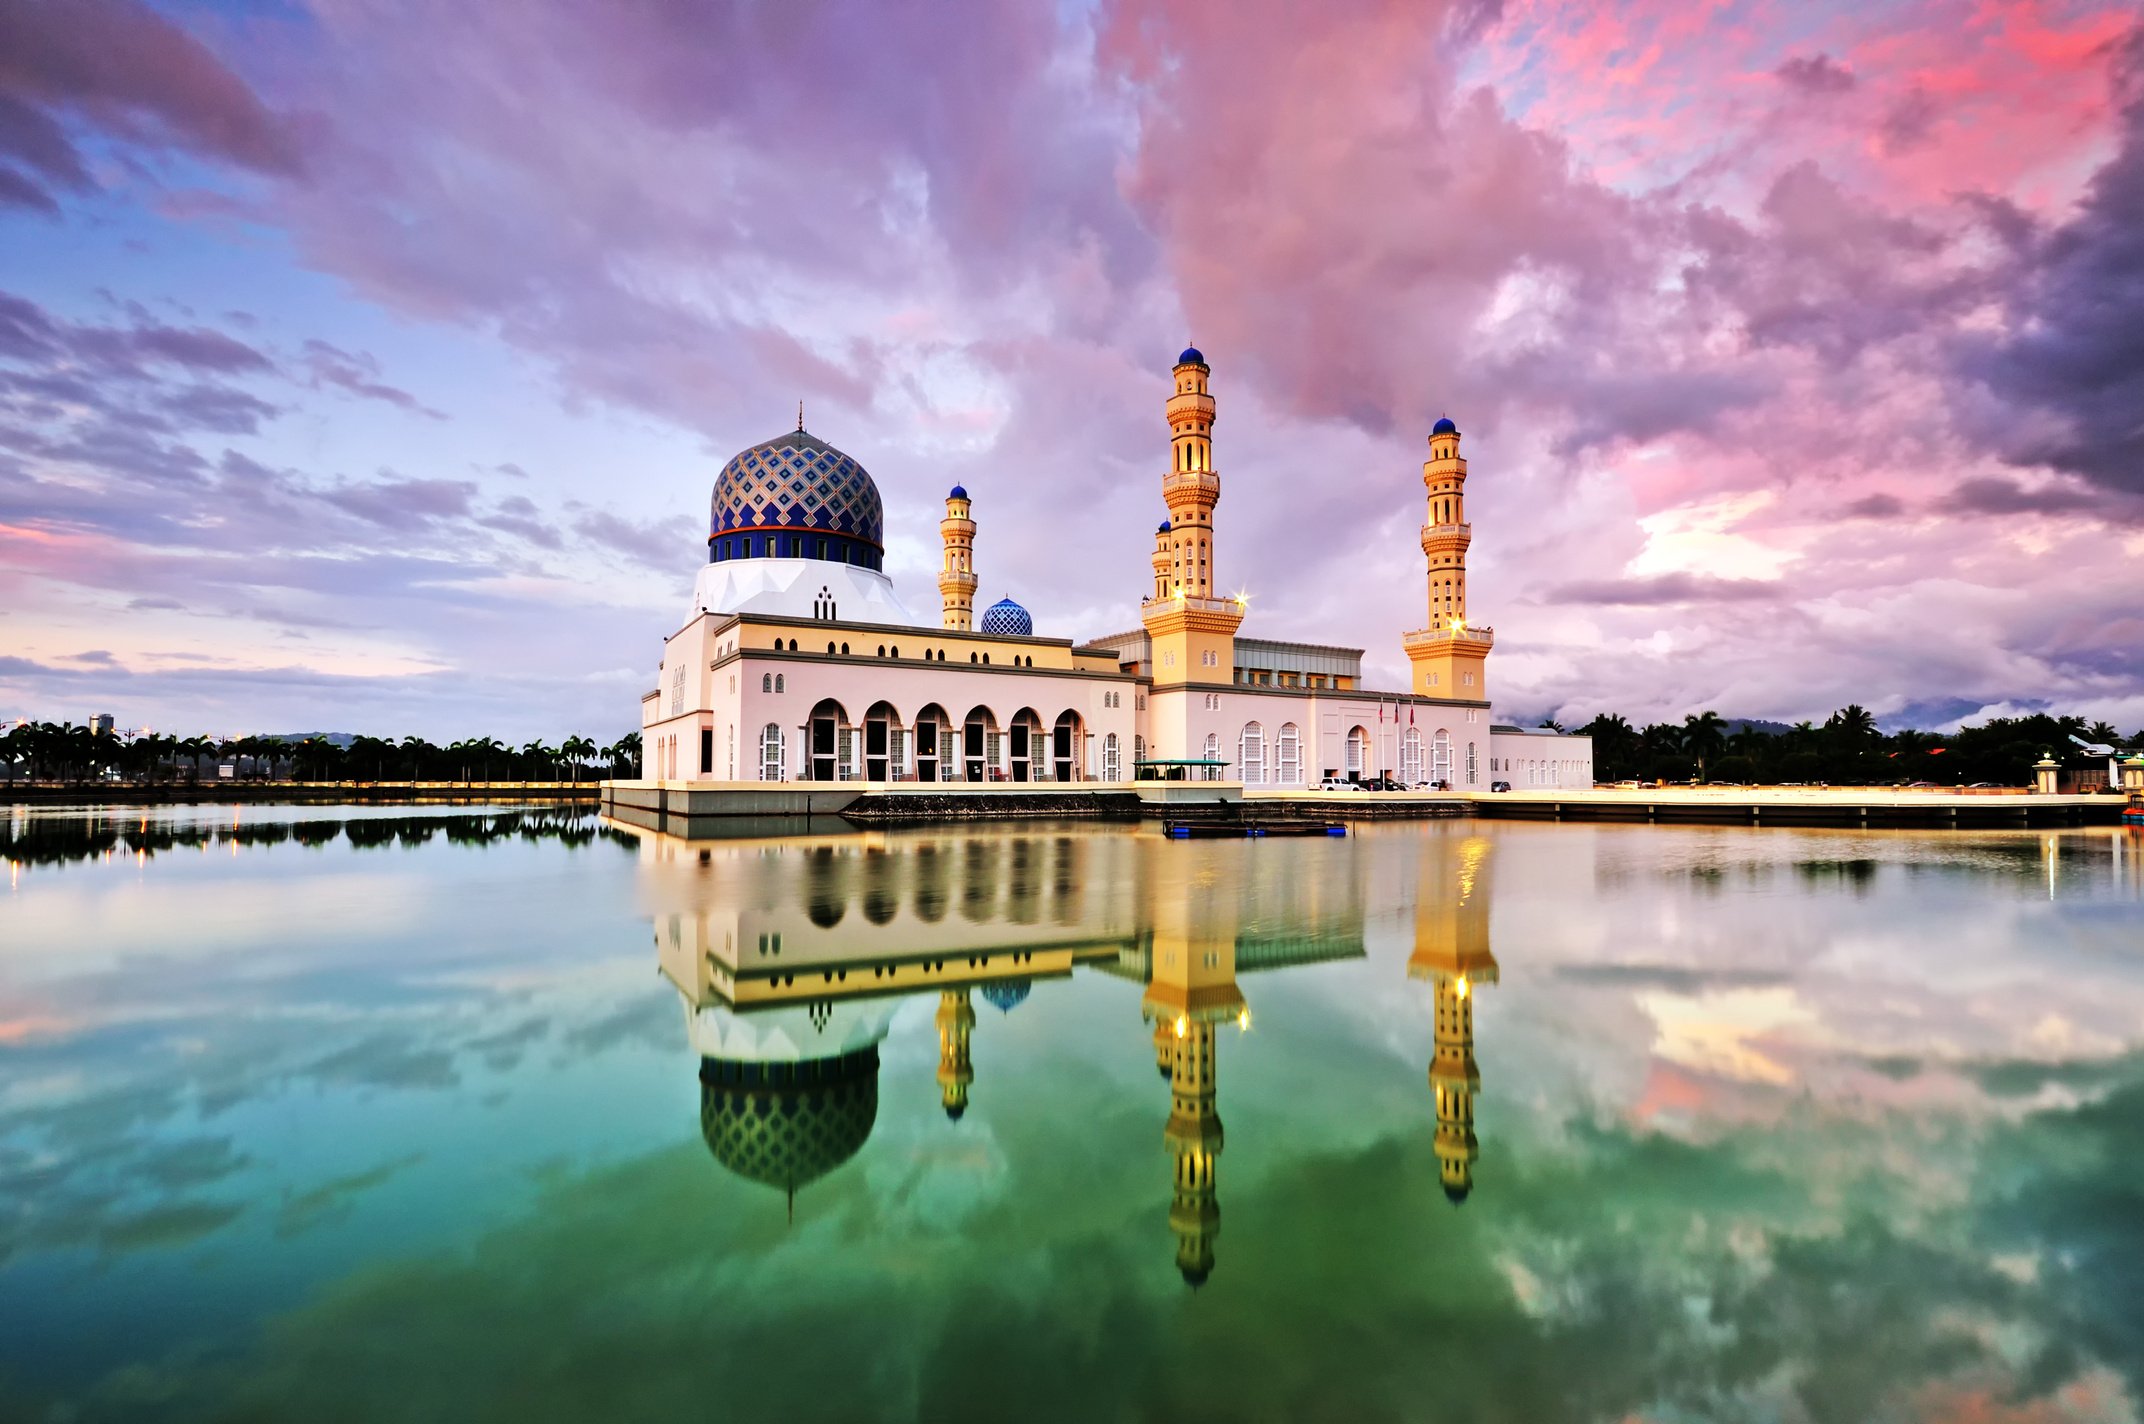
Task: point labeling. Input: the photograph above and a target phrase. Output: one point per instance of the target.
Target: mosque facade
(798, 660)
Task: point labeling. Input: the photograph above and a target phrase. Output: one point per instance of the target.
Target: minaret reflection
(1192, 992)
(956, 1021)
(1451, 950)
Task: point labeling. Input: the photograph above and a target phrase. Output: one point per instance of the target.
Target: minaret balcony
(1448, 531)
(1195, 604)
(1462, 636)
(1190, 481)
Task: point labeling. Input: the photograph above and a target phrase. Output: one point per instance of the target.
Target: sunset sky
(366, 365)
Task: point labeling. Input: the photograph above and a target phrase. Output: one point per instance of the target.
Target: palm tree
(537, 752)
(573, 749)
(625, 751)
(1703, 735)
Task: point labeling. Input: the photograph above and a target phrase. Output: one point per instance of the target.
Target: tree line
(1845, 749)
(52, 751)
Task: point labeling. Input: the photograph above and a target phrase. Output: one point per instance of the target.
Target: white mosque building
(798, 661)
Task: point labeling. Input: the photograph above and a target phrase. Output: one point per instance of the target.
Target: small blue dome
(1444, 426)
(1007, 994)
(1164, 527)
(959, 492)
(1009, 619)
(1192, 357)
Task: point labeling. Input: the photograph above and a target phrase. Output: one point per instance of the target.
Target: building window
(707, 751)
(780, 683)
(1411, 755)
(1251, 754)
(1289, 745)
(1357, 745)
(1112, 759)
(1213, 748)
(766, 682)
(1471, 776)
(770, 752)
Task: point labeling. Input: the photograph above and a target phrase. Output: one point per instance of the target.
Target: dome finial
(800, 415)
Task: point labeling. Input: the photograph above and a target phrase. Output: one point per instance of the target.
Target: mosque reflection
(793, 954)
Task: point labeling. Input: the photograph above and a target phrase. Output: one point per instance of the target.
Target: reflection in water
(1451, 950)
(56, 839)
(787, 1006)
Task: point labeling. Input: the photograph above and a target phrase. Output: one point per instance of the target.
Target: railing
(1197, 604)
(1427, 636)
(1190, 479)
(1447, 531)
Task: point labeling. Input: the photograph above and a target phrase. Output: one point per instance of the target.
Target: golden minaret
(1193, 632)
(956, 1021)
(1448, 655)
(1451, 950)
(956, 579)
(1190, 992)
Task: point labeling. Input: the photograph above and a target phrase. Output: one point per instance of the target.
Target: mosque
(794, 956)
(799, 662)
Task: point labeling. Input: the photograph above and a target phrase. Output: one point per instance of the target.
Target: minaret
(1448, 655)
(1194, 1140)
(956, 580)
(1191, 990)
(1451, 950)
(1193, 633)
(956, 1021)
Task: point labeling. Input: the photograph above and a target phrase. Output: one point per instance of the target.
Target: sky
(366, 365)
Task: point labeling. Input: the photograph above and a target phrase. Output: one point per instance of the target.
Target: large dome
(796, 496)
(788, 1123)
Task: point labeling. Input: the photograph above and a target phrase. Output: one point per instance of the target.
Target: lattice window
(1289, 745)
(1251, 754)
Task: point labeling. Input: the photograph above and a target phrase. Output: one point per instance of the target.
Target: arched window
(1357, 747)
(781, 683)
(766, 682)
(1471, 769)
(1138, 752)
(1289, 745)
(829, 649)
(770, 752)
(1112, 759)
(1411, 755)
(1440, 756)
(1251, 754)
(1212, 751)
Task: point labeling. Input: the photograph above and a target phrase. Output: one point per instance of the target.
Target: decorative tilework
(798, 481)
(1008, 618)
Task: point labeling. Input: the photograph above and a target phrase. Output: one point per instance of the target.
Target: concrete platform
(1799, 806)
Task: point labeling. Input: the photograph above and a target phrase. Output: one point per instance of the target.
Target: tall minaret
(956, 1021)
(1451, 950)
(1192, 489)
(1193, 633)
(956, 580)
(1448, 655)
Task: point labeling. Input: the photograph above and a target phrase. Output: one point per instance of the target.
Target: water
(375, 1115)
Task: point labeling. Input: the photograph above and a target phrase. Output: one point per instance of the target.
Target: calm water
(445, 1115)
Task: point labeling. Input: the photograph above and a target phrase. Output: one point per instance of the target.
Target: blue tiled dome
(1444, 426)
(1009, 619)
(1007, 994)
(959, 492)
(821, 502)
(1164, 527)
(1192, 357)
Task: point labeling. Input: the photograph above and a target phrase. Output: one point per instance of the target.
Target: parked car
(1334, 783)
(1499, 786)
(1383, 783)
(1438, 785)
